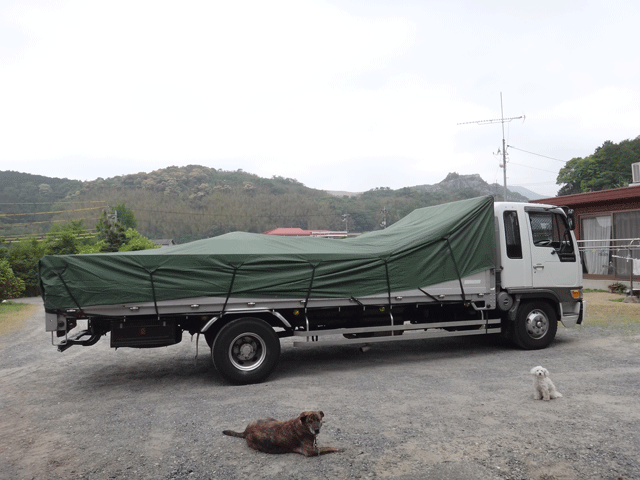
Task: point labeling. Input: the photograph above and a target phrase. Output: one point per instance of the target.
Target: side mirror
(571, 219)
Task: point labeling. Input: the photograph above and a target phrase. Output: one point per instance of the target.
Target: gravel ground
(458, 408)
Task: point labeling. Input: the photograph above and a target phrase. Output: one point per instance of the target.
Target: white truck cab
(537, 259)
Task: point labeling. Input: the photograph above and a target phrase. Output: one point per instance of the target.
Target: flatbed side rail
(417, 330)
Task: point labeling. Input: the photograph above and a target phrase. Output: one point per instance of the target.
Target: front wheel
(246, 351)
(535, 326)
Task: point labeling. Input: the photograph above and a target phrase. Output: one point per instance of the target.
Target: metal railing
(622, 249)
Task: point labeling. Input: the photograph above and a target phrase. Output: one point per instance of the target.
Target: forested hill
(16, 187)
(193, 202)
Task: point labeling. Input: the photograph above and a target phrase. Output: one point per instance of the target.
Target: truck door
(553, 251)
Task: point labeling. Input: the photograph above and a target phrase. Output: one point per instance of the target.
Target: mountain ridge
(194, 202)
(455, 181)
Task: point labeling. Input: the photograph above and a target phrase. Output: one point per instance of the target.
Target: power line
(42, 236)
(38, 223)
(535, 183)
(266, 215)
(537, 154)
(50, 213)
(56, 202)
(534, 168)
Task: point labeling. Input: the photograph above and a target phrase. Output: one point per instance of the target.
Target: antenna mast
(502, 120)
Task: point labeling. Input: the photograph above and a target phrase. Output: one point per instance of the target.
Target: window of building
(596, 235)
(626, 231)
(611, 244)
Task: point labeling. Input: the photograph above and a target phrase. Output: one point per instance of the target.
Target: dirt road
(436, 409)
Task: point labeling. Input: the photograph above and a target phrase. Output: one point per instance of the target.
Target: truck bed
(428, 248)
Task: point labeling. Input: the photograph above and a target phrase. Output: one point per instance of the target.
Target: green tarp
(429, 246)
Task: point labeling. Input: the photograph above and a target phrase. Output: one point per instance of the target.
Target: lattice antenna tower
(501, 120)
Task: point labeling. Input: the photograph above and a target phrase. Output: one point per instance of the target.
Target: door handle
(539, 265)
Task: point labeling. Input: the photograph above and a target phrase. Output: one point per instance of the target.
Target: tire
(246, 351)
(535, 326)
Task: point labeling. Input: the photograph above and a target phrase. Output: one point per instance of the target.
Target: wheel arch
(548, 296)
(215, 324)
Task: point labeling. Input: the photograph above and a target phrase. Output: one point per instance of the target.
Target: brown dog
(297, 435)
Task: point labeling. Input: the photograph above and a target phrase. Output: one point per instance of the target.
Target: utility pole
(383, 223)
(112, 217)
(502, 120)
(345, 219)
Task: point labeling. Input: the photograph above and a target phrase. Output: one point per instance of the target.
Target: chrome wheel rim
(247, 351)
(537, 324)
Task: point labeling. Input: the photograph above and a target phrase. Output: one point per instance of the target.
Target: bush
(10, 285)
(23, 259)
(135, 241)
(62, 243)
(617, 287)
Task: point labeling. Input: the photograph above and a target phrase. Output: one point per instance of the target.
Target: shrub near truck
(463, 268)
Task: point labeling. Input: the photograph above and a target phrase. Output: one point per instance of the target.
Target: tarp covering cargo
(428, 246)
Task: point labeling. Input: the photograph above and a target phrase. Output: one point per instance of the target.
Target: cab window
(512, 234)
(552, 230)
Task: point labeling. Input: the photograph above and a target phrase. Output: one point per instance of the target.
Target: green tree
(608, 167)
(123, 215)
(63, 243)
(120, 214)
(67, 239)
(93, 248)
(10, 285)
(112, 234)
(126, 218)
(23, 257)
(102, 225)
(75, 226)
(575, 172)
(135, 241)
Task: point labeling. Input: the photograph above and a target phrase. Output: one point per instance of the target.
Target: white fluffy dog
(544, 387)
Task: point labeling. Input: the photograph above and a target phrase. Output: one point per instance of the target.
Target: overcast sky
(338, 94)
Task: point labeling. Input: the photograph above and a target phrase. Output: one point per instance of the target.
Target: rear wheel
(535, 326)
(246, 351)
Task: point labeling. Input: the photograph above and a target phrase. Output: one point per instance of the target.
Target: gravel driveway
(456, 408)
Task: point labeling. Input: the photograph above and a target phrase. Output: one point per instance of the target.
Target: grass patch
(608, 310)
(615, 315)
(12, 315)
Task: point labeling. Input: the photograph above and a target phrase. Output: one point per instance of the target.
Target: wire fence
(619, 257)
